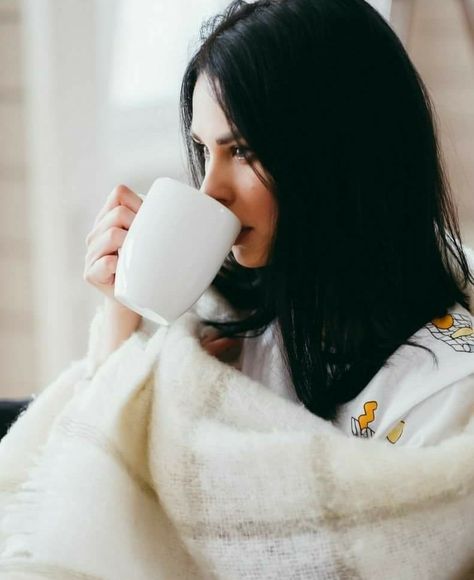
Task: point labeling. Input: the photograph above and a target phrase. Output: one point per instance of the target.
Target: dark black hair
(367, 247)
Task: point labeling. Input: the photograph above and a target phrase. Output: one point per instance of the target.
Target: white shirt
(409, 401)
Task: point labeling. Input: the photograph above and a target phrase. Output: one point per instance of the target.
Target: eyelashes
(239, 151)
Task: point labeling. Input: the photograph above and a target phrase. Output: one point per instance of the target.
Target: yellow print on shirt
(454, 330)
(395, 433)
(360, 426)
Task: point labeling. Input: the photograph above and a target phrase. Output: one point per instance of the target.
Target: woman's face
(230, 179)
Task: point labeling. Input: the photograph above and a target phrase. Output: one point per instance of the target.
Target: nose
(218, 184)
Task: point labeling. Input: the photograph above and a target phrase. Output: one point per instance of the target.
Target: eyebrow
(223, 140)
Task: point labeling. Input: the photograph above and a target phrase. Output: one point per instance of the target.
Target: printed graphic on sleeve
(455, 330)
(395, 433)
(360, 426)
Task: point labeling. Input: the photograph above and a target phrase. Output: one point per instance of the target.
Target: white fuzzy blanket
(166, 463)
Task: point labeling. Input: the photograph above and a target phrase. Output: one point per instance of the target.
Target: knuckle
(113, 234)
(109, 260)
(121, 213)
(107, 266)
(118, 191)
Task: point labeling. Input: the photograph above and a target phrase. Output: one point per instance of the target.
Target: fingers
(120, 195)
(225, 349)
(102, 271)
(107, 237)
(120, 216)
(106, 243)
(209, 333)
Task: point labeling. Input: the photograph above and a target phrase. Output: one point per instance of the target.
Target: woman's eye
(242, 152)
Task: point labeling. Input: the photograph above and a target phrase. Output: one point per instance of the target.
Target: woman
(335, 167)
(331, 161)
(352, 257)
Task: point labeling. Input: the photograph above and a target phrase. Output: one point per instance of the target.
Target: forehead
(207, 113)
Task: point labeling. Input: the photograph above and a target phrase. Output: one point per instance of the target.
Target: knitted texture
(161, 462)
(170, 464)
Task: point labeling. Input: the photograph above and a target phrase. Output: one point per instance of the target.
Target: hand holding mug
(107, 237)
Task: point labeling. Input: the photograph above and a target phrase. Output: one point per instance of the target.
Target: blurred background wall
(81, 111)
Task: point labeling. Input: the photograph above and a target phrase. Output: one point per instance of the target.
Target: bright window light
(152, 43)
(383, 6)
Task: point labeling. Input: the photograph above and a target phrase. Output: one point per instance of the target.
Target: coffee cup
(173, 250)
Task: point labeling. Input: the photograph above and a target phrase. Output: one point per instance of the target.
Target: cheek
(259, 198)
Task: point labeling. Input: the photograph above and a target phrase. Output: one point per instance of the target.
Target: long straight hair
(367, 247)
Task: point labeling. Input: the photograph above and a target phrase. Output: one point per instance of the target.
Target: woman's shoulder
(413, 399)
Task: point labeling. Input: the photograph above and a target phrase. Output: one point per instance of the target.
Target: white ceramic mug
(173, 250)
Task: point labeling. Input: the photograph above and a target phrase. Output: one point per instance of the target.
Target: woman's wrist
(119, 324)
(114, 306)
